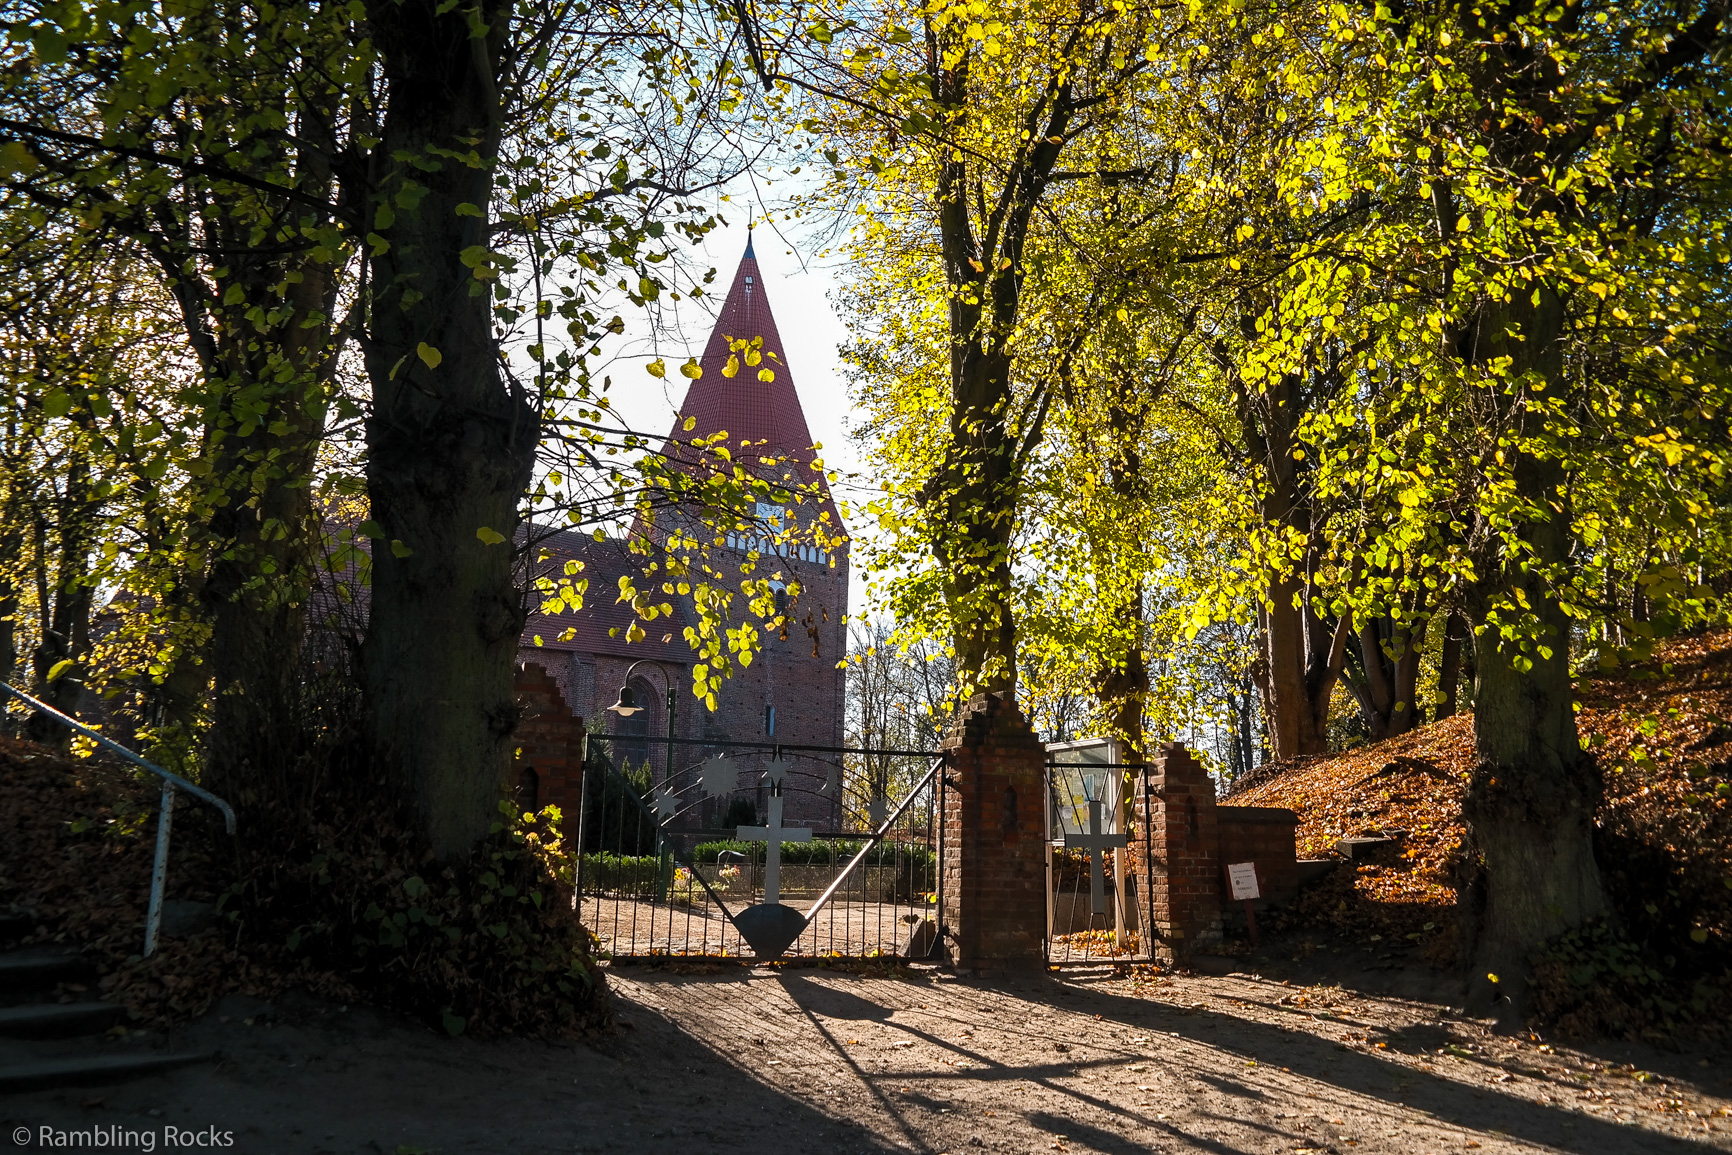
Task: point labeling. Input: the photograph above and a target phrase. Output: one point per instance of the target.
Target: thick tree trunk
(971, 501)
(451, 446)
(977, 496)
(1301, 653)
(1123, 687)
(11, 544)
(1301, 664)
(1530, 805)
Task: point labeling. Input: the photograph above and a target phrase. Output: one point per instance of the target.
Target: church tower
(793, 691)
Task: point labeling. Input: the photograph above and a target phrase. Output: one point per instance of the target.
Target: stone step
(40, 967)
(57, 1020)
(34, 1076)
(1375, 849)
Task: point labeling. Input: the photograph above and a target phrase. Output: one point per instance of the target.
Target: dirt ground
(1327, 1054)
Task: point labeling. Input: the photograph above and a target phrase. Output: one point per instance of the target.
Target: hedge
(638, 874)
(817, 853)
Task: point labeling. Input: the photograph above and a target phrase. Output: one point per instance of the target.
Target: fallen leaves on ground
(1661, 733)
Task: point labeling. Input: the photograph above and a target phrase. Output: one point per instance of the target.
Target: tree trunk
(451, 446)
(1123, 684)
(1449, 665)
(1388, 684)
(1301, 663)
(971, 500)
(1123, 687)
(11, 544)
(265, 530)
(974, 541)
(1530, 804)
(1301, 653)
(65, 613)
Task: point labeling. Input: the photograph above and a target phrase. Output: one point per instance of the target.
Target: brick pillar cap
(990, 719)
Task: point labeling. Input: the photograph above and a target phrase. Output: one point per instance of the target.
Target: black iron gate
(741, 850)
(1100, 897)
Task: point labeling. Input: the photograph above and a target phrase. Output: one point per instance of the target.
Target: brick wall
(807, 689)
(1263, 835)
(1191, 842)
(994, 836)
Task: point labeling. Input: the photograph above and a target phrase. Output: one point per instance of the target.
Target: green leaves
(481, 261)
(16, 160)
(429, 356)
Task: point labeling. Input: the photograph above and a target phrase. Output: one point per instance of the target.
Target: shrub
(1594, 981)
(636, 875)
(326, 887)
(487, 944)
(740, 812)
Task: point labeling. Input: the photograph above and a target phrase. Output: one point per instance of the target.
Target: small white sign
(1243, 877)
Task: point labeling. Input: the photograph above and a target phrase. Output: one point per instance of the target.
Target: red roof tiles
(745, 407)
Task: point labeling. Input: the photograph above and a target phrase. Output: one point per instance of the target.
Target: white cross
(775, 834)
(1097, 844)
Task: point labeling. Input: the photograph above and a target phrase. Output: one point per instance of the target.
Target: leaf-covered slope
(1661, 733)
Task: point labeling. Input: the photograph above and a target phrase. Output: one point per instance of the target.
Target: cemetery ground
(1328, 1049)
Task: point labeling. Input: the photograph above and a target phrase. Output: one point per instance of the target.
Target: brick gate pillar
(549, 740)
(994, 836)
(1184, 852)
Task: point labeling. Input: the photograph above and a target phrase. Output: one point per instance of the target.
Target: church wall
(808, 693)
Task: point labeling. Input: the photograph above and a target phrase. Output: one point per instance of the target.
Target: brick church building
(793, 690)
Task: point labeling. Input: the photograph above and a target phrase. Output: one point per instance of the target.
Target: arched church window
(528, 792)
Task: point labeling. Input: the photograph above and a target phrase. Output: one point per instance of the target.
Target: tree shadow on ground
(900, 1060)
(1404, 972)
(1303, 1053)
(299, 1076)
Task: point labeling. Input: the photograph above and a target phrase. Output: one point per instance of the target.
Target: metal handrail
(164, 817)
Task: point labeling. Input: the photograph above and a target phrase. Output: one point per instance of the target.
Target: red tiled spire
(747, 408)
